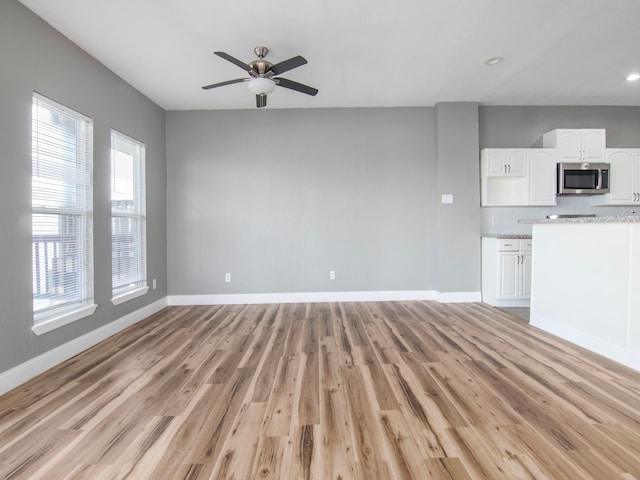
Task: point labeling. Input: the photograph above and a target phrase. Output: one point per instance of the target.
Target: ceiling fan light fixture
(261, 85)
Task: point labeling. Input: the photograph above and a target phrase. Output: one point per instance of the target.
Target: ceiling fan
(262, 73)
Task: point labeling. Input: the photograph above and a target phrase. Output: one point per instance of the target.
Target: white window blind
(62, 201)
(128, 215)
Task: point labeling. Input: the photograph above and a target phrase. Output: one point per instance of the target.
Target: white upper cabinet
(577, 145)
(505, 162)
(624, 177)
(541, 164)
(518, 176)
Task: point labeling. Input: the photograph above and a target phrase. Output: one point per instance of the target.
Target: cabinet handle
(505, 169)
(509, 169)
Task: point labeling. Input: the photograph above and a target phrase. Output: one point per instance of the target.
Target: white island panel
(634, 293)
(585, 280)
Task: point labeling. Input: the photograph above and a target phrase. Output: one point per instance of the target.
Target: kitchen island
(585, 284)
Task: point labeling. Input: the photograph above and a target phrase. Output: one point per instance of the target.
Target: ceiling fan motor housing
(261, 67)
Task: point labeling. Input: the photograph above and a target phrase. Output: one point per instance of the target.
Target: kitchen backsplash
(504, 220)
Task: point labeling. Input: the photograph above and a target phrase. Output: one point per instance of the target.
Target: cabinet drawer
(508, 245)
(526, 245)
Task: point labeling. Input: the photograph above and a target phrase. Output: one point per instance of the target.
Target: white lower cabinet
(506, 271)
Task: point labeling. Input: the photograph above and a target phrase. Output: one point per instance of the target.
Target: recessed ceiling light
(633, 77)
(493, 60)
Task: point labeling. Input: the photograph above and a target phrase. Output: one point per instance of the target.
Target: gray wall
(280, 197)
(523, 126)
(458, 174)
(33, 56)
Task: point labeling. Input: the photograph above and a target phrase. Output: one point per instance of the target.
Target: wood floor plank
(239, 449)
(301, 454)
(407, 452)
(369, 444)
(280, 407)
(337, 447)
(268, 464)
(309, 389)
(378, 390)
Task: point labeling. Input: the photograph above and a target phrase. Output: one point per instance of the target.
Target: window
(128, 219)
(62, 246)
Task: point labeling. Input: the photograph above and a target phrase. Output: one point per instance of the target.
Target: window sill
(130, 295)
(63, 319)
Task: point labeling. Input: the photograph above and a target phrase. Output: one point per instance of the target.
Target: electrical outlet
(227, 277)
(155, 283)
(332, 275)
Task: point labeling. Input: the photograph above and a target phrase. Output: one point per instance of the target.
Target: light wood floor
(394, 390)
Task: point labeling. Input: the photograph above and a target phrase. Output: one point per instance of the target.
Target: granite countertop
(603, 219)
(506, 235)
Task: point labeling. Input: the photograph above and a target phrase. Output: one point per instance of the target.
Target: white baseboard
(29, 369)
(619, 353)
(508, 303)
(314, 297)
(458, 297)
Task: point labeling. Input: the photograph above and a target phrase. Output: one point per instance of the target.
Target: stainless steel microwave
(583, 178)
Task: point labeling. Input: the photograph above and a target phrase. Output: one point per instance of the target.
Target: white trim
(61, 320)
(130, 295)
(458, 297)
(619, 353)
(510, 303)
(35, 366)
(312, 297)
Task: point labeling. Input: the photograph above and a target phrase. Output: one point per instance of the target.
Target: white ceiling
(365, 53)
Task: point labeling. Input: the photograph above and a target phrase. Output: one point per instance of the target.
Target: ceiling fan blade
(235, 61)
(261, 101)
(298, 87)
(222, 84)
(287, 65)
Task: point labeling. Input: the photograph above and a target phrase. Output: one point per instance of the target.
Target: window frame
(137, 216)
(50, 162)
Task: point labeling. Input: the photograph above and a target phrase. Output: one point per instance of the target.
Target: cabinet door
(496, 159)
(542, 176)
(593, 145)
(517, 162)
(508, 275)
(636, 179)
(525, 275)
(621, 176)
(569, 145)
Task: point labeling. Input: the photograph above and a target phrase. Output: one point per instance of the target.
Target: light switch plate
(447, 198)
